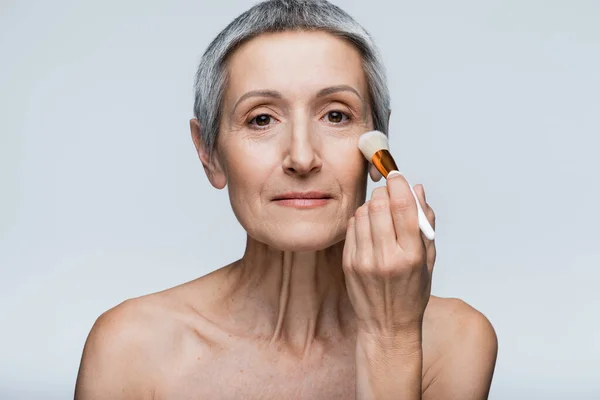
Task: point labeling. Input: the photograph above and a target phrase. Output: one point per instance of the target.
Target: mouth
(303, 200)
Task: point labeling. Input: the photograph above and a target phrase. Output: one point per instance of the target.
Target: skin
(318, 307)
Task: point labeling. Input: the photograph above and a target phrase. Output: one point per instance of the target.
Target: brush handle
(423, 221)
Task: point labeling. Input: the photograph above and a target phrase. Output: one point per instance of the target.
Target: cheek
(351, 170)
(247, 163)
(248, 168)
(347, 160)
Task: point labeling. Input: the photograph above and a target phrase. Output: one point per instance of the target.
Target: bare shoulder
(457, 316)
(118, 352)
(129, 346)
(463, 347)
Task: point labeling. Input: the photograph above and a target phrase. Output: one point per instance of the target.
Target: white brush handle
(423, 221)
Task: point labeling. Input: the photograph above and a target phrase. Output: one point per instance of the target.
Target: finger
(350, 244)
(382, 226)
(404, 213)
(362, 232)
(430, 255)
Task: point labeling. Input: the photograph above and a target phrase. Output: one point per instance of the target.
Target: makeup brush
(375, 147)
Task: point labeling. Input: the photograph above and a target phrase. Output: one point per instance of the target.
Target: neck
(302, 295)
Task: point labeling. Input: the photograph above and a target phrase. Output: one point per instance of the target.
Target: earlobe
(211, 164)
(374, 173)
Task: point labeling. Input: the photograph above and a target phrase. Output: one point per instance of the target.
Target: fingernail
(392, 173)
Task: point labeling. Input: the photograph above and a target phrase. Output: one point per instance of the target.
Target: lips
(303, 195)
(303, 200)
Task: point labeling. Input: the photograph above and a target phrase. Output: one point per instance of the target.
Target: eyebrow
(276, 95)
(258, 93)
(338, 88)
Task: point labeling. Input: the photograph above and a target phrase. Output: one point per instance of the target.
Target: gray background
(496, 110)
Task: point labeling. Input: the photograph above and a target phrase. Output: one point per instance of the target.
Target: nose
(302, 157)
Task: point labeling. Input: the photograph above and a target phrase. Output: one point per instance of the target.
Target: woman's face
(295, 106)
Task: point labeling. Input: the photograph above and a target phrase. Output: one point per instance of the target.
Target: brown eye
(335, 117)
(263, 120)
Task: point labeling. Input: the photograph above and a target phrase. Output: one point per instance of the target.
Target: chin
(302, 238)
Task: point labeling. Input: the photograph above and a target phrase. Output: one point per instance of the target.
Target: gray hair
(278, 16)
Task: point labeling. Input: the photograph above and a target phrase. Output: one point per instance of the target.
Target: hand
(388, 262)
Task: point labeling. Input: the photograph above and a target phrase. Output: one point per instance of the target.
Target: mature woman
(331, 299)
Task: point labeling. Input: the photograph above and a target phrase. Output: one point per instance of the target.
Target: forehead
(295, 63)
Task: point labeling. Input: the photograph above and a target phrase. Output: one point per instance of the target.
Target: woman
(331, 299)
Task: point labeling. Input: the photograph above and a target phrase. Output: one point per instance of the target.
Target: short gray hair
(278, 16)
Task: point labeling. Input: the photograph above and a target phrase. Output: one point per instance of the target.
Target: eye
(337, 117)
(261, 121)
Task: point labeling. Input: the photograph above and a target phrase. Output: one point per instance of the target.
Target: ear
(211, 164)
(374, 173)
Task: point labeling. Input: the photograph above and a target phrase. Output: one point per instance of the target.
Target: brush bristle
(371, 142)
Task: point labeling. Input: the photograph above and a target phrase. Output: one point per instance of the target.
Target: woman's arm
(465, 369)
(388, 265)
(389, 367)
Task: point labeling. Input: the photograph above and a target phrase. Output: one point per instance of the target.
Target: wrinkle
(294, 301)
(283, 296)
